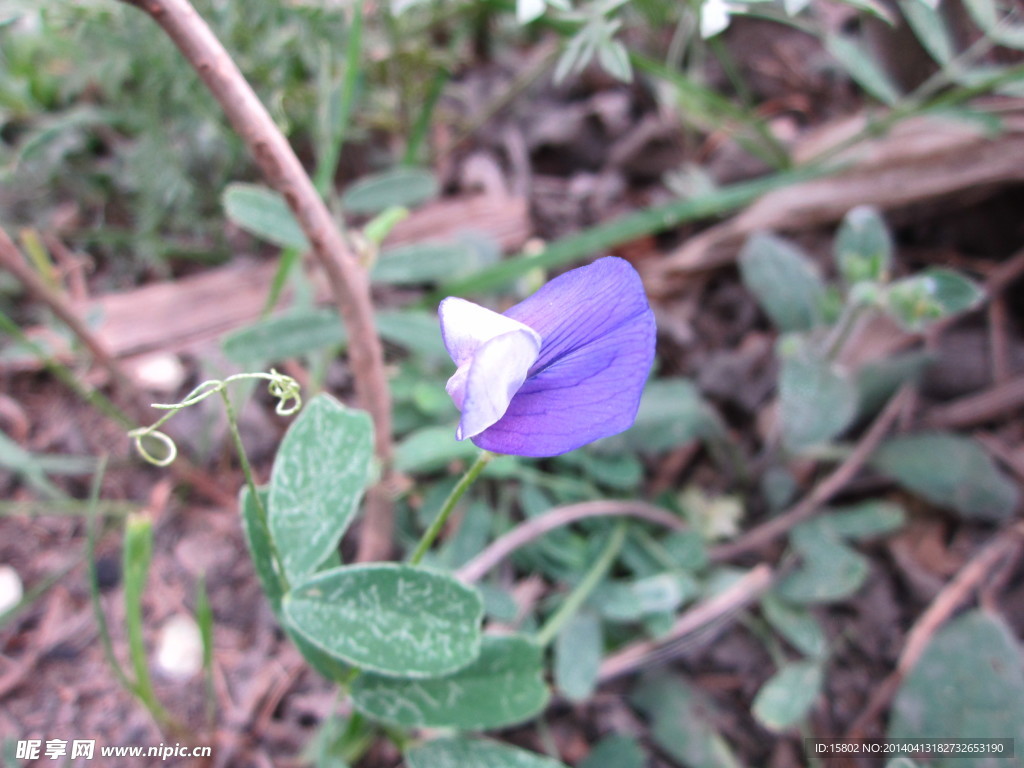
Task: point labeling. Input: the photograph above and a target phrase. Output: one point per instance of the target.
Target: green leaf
(261, 547)
(406, 187)
(418, 332)
(969, 683)
(430, 449)
(866, 520)
(950, 471)
(682, 722)
(878, 381)
(784, 281)
(788, 696)
(672, 413)
(863, 247)
(917, 301)
(474, 753)
(318, 478)
(817, 401)
(632, 600)
(829, 571)
(426, 262)
(388, 618)
(578, 650)
(930, 28)
(615, 752)
(796, 624)
(263, 213)
(285, 336)
(503, 687)
(863, 69)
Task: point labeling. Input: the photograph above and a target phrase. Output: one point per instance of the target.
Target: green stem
(250, 481)
(449, 504)
(582, 591)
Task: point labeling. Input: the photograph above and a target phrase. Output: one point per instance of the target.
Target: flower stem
(582, 591)
(449, 504)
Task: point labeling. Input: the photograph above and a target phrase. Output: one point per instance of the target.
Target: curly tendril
(283, 388)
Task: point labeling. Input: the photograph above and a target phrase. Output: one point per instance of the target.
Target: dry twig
(536, 527)
(713, 610)
(970, 577)
(823, 491)
(283, 171)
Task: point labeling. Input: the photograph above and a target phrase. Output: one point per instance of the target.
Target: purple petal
(598, 345)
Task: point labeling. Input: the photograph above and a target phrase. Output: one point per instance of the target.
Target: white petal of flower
(466, 326)
(490, 381)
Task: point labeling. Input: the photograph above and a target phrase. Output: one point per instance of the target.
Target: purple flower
(556, 371)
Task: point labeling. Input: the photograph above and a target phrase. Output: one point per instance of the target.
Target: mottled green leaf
(503, 687)
(578, 650)
(950, 471)
(788, 696)
(969, 683)
(407, 187)
(319, 475)
(784, 281)
(474, 753)
(263, 213)
(388, 618)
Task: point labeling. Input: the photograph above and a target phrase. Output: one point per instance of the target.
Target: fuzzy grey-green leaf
(969, 683)
(263, 213)
(817, 402)
(784, 281)
(474, 753)
(788, 695)
(504, 686)
(400, 186)
(318, 478)
(950, 471)
(390, 619)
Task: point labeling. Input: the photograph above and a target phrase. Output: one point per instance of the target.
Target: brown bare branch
(969, 578)
(823, 491)
(536, 527)
(283, 171)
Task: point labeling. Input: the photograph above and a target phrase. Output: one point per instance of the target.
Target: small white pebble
(180, 650)
(11, 590)
(160, 372)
